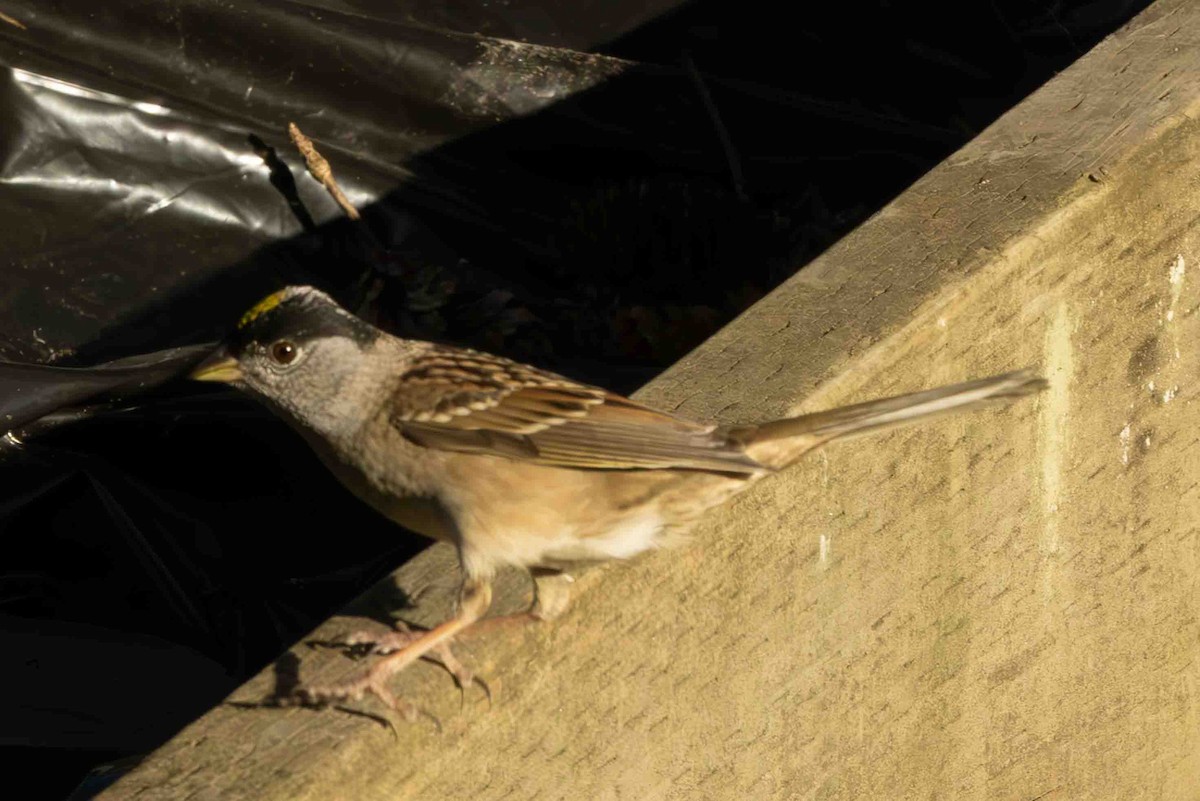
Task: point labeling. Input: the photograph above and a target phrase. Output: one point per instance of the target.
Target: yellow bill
(220, 366)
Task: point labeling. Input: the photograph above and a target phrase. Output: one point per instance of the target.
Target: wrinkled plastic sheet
(132, 152)
(30, 392)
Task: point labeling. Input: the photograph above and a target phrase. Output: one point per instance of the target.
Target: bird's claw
(372, 682)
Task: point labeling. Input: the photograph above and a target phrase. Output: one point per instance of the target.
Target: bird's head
(297, 349)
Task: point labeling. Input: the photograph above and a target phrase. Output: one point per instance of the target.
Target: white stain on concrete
(1175, 276)
(1178, 271)
(1054, 418)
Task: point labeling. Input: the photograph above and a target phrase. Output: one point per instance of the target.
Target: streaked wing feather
(470, 402)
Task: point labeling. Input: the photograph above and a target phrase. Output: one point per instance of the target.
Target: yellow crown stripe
(262, 307)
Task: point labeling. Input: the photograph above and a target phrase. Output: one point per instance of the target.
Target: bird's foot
(400, 647)
(402, 636)
(364, 643)
(369, 682)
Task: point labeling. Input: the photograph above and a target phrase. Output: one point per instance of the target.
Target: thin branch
(320, 169)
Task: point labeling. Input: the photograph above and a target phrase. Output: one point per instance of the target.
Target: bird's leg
(372, 643)
(474, 599)
(551, 597)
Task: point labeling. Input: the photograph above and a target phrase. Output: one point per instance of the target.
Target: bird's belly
(623, 539)
(559, 544)
(531, 515)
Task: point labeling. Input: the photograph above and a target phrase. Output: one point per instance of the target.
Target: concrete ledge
(1001, 605)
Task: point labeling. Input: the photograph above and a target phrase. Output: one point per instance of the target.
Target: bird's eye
(284, 352)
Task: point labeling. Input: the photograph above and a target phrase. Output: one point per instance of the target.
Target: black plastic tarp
(129, 173)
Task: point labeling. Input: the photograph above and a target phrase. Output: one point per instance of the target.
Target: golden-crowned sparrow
(512, 464)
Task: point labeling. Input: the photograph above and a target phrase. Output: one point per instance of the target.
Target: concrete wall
(995, 606)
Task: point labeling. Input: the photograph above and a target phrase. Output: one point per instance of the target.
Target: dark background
(601, 224)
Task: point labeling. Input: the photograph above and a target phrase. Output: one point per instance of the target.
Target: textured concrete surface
(995, 606)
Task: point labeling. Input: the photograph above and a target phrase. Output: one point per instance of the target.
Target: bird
(512, 464)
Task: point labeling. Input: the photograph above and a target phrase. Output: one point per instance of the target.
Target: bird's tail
(876, 415)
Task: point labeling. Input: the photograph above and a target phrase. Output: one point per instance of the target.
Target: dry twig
(320, 169)
(5, 18)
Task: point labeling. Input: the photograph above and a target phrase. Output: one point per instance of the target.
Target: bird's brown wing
(469, 402)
